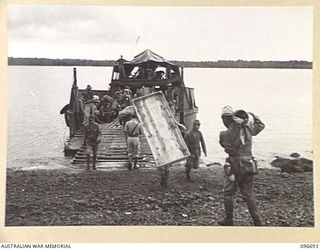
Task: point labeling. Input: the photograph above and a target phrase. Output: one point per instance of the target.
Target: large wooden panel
(163, 135)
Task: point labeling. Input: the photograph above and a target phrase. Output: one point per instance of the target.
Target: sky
(177, 33)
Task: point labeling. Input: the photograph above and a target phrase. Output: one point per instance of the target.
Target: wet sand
(65, 197)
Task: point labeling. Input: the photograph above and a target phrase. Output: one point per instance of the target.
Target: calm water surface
(282, 98)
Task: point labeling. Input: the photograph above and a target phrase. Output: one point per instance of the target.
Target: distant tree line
(293, 64)
(58, 62)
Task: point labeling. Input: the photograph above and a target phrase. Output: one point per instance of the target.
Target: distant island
(293, 64)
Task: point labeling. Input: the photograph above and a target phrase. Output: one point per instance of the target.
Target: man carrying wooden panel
(164, 171)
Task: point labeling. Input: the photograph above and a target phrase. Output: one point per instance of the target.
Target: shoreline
(63, 197)
(288, 64)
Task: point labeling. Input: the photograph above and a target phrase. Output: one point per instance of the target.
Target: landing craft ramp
(112, 150)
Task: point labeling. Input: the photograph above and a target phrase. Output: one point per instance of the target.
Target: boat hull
(189, 116)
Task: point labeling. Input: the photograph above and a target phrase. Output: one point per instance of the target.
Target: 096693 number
(309, 246)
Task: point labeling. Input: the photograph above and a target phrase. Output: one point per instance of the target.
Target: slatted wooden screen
(163, 135)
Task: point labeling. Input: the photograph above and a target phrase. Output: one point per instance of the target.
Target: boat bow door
(187, 108)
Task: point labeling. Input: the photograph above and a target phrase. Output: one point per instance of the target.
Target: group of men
(91, 104)
(106, 108)
(240, 165)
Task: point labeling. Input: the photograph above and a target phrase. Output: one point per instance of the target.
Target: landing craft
(147, 73)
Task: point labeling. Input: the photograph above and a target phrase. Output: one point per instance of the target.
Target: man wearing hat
(240, 166)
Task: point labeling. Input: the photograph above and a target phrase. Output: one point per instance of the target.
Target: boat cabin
(149, 72)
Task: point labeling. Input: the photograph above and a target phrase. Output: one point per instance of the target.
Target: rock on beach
(294, 164)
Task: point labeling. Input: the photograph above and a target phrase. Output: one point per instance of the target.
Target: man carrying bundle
(240, 166)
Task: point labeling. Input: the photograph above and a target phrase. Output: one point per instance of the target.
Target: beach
(75, 196)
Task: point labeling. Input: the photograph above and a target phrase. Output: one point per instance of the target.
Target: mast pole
(74, 78)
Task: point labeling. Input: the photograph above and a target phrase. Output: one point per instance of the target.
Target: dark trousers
(164, 175)
(192, 163)
(245, 184)
(92, 149)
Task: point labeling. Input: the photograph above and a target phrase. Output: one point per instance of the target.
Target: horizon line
(270, 60)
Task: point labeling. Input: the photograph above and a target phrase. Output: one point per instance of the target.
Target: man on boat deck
(132, 130)
(92, 137)
(171, 98)
(240, 166)
(91, 108)
(88, 95)
(122, 70)
(193, 139)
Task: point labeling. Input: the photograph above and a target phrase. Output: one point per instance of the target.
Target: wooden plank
(113, 150)
(162, 134)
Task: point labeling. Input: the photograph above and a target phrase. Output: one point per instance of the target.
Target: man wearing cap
(193, 140)
(91, 108)
(132, 130)
(240, 166)
(92, 137)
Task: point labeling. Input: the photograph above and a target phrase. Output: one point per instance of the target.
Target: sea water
(282, 98)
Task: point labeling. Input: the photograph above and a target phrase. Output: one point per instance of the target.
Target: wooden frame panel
(163, 135)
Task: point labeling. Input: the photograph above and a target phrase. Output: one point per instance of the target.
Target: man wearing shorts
(132, 130)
